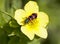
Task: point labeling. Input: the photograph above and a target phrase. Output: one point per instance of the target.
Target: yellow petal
(43, 19)
(31, 7)
(42, 32)
(20, 16)
(29, 33)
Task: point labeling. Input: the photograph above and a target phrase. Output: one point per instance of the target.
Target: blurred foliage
(9, 25)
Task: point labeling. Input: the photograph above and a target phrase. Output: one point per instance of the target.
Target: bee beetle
(30, 18)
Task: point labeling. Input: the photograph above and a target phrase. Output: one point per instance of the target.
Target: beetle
(30, 18)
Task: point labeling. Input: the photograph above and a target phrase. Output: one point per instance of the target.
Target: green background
(9, 25)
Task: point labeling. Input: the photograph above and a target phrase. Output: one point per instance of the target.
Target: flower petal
(43, 19)
(31, 7)
(29, 33)
(42, 32)
(20, 16)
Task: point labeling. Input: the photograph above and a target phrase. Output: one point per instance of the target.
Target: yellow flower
(32, 21)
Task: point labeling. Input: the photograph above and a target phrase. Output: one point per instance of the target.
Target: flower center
(30, 18)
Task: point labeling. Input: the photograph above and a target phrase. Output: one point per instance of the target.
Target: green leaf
(14, 40)
(16, 4)
(12, 5)
(4, 19)
(13, 23)
(3, 37)
(2, 4)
